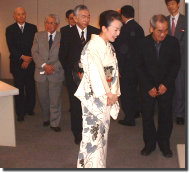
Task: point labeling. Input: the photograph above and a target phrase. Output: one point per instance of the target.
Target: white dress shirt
(80, 31)
(175, 21)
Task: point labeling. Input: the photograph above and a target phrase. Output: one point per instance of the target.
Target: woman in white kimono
(99, 91)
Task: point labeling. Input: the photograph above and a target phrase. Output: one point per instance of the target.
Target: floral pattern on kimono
(100, 76)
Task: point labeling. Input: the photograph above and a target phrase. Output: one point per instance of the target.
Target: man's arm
(14, 51)
(175, 65)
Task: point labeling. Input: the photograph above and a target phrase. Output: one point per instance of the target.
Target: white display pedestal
(7, 122)
(181, 155)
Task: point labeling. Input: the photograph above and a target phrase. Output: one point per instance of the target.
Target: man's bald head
(20, 15)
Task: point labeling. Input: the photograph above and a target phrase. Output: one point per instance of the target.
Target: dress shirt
(53, 35)
(80, 32)
(175, 21)
(21, 25)
(129, 20)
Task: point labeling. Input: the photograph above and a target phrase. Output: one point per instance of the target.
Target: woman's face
(112, 32)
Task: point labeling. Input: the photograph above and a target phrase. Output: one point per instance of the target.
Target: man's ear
(75, 18)
(104, 29)
(151, 29)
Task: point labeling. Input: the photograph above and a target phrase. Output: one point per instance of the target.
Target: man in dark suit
(177, 28)
(70, 19)
(20, 37)
(158, 63)
(64, 32)
(125, 46)
(70, 51)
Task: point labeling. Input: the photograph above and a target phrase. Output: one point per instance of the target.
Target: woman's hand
(111, 99)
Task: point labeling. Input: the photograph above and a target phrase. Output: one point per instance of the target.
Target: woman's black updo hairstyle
(107, 17)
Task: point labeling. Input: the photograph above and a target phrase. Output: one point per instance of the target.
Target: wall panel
(98, 6)
(38, 9)
(147, 8)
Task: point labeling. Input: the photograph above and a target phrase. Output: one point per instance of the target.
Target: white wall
(37, 10)
(147, 8)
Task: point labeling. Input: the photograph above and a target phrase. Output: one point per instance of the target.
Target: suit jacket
(41, 54)
(20, 44)
(181, 35)
(126, 46)
(71, 46)
(153, 70)
(65, 30)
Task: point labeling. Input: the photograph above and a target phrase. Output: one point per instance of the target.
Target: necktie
(21, 28)
(50, 41)
(173, 26)
(82, 38)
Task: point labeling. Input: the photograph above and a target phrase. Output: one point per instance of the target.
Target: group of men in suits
(150, 63)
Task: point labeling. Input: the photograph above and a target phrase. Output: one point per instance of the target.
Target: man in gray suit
(177, 28)
(49, 73)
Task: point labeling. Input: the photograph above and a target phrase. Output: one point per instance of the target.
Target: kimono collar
(100, 41)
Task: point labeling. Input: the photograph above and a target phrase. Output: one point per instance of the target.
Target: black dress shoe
(167, 152)
(127, 123)
(46, 123)
(56, 129)
(180, 121)
(20, 118)
(147, 150)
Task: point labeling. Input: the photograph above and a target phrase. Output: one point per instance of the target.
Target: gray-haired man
(70, 52)
(48, 72)
(157, 66)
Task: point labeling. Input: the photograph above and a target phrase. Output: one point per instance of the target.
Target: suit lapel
(18, 30)
(88, 34)
(76, 34)
(169, 26)
(56, 41)
(45, 40)
(177, 30)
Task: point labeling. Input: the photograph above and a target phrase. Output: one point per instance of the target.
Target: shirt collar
(80, 31)
(53, 35)
(21, 25)
(129, 20)
(176, 17)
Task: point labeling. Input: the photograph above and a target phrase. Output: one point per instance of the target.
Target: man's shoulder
(41, 33)
(31, 25)
(93, 29)
(65, 28)
(172, 39)
(182, 18)
(12, 26)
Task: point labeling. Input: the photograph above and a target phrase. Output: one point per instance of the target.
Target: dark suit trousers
(76, 110)
(25, 101)
(129, 97)
(165, 121)
(179, 96)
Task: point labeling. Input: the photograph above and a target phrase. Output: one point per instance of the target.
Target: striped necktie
(22, 29)
(82, 38)
(173, 26)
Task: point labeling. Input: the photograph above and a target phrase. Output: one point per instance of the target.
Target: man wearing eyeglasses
(158, 63)
(49, 74)
(70, 52)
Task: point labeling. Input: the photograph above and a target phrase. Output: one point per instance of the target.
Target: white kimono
(100, 77)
